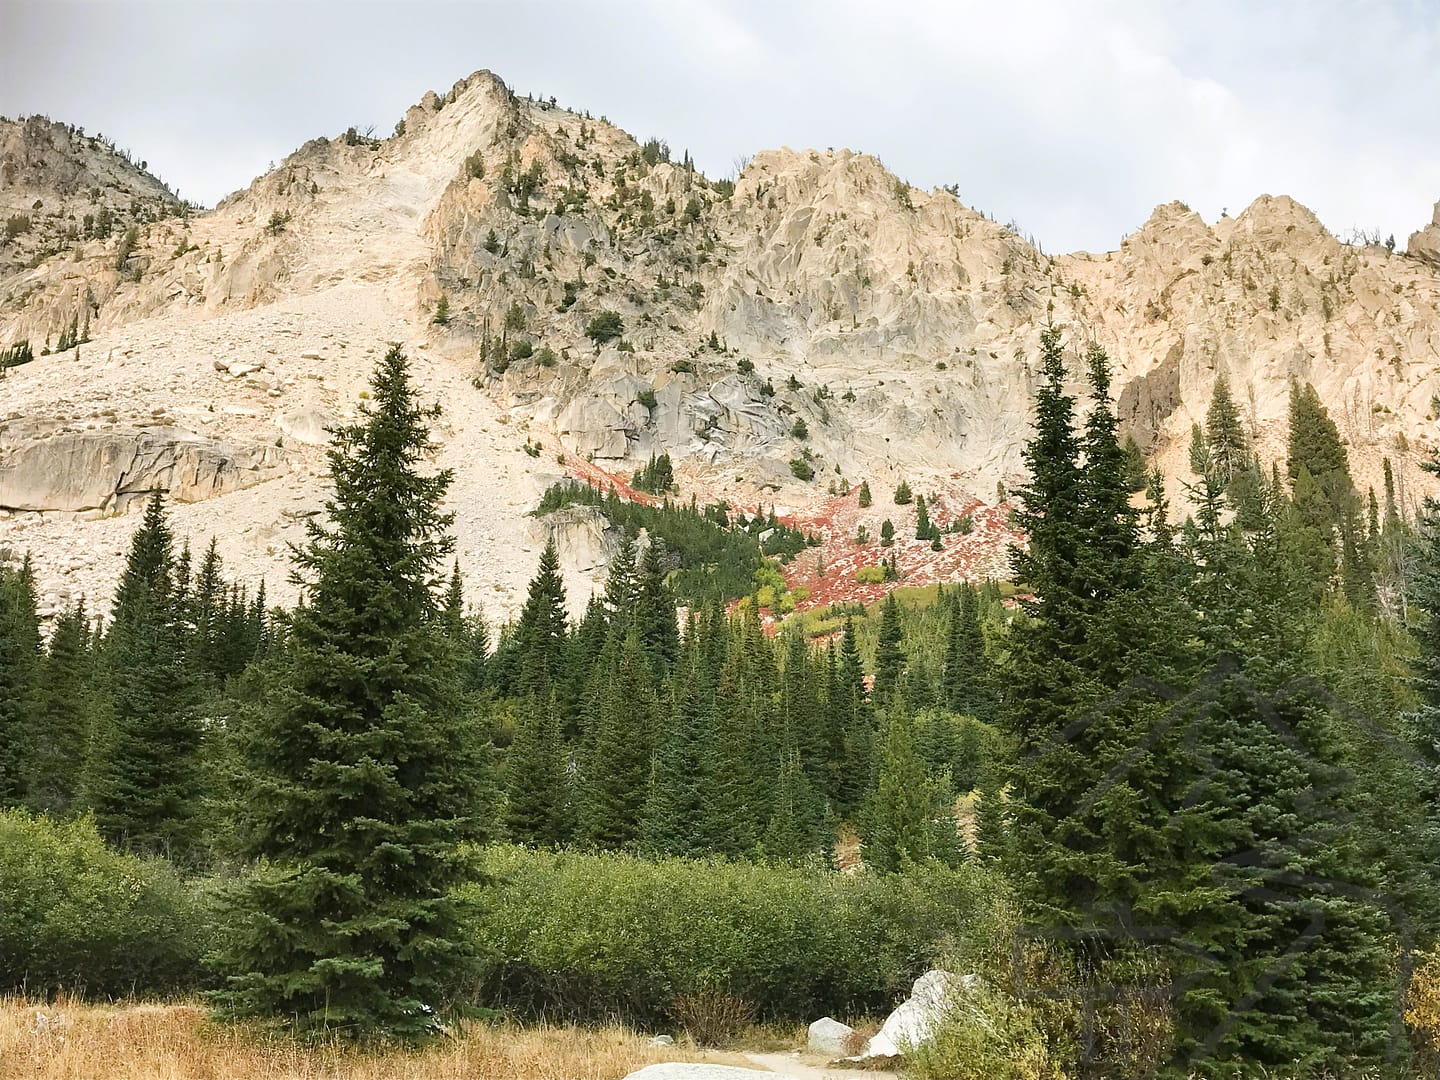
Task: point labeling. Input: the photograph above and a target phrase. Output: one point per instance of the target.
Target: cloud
(1072, 119)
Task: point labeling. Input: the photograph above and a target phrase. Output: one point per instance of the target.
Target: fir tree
(539, 640)
(365, 773)
(1225, 434)
(58, 741)
(909, 817)
(146, 767)
(537, 799)
(865, 498)
(20, 671)
(616, 766)
(889, 653)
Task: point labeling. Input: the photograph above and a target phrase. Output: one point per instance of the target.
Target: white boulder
(914, 1022)
(828, 1036)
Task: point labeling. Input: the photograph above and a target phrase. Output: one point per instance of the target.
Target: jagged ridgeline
(776, 335)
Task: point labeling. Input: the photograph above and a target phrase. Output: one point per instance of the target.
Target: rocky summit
(578, 301)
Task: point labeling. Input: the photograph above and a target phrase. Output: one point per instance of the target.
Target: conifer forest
(1171, 790)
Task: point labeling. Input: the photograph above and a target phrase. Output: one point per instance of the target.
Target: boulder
(663, 1040)
(85, 470)
(915, 1020)
(311, 426)
(1425, 244)
(693, 1070)
(830, 1037)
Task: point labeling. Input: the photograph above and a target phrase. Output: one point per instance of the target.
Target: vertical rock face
(1425, 243)
(104, 470)
(814, 317)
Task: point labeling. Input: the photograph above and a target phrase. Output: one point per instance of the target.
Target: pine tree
(909, 817)
(537, 799)
(887, 533)
(365, 773)
(903, 495)
(539, 639)
(865, 498)
(20, 671)
(922, 519)
(616, 766)
(58, 741)
(146, 767)
(889, 651)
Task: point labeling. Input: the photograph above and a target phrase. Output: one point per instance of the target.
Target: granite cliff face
(816, 315)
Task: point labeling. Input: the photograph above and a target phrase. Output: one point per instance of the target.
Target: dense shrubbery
(718, 557)
(75, 914)
(606, 935)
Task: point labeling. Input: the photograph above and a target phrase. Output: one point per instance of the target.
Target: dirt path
(798, 1067)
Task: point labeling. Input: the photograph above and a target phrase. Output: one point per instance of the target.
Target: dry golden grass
(78, 1041)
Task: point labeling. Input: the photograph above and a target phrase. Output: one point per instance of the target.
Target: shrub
(683, 367)
(442, 311)
(75, 914)
(127, 245)
(605, 326)
(545, 357)
(903, 494)
(745, 366)
(16, 354)
(610, 935)
(475, 166)
(521, 349)
(711, 1017)
(865, 497)
(799, 430)
(802, 469)
(870, 575)
(278, 220)
(15, 225)
(647, 398)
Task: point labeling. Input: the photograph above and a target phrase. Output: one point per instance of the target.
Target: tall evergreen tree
(540, 632)
(58, 741)
(20, 670)
(889, 650)
(146, 767)
(909, 817)
(364, 771)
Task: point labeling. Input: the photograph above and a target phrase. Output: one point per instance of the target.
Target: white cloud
(1073, 118)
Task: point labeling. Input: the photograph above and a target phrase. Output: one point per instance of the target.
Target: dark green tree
(58, 741)
(145, 768)
(364, 772)
(21, 658)
(889, 650)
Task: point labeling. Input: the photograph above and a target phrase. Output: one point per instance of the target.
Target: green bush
(611, 935)
(606, 326)
(75, 914)
(802, 469)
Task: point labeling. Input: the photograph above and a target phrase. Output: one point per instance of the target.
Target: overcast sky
(1073, 118)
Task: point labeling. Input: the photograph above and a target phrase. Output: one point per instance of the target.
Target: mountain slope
(816, 317)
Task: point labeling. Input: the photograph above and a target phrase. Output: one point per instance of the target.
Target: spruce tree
(58, 740)
(20, 671)
(1225, 433)
(889, 653)
(909, 817)
(540, 631)
(364, 771)
(146, 768)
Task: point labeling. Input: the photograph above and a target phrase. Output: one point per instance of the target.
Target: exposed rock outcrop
(1425, 243)
(103, 470)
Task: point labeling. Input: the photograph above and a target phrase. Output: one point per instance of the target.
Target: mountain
(815, 317)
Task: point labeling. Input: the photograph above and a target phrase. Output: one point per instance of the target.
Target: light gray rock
(87, 470)
(915, 1020)
(311, 426)
(829, 1037)
(692, 1070)
(663, 1040)
(1425, 244)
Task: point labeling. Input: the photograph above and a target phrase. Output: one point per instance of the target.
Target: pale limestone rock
(830, 1037)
